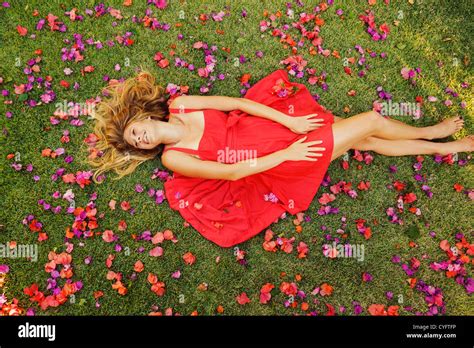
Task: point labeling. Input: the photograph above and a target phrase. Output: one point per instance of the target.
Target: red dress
(230, 212)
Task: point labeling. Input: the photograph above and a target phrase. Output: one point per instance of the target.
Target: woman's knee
(368, 144)
(373, 116)
(374, 119)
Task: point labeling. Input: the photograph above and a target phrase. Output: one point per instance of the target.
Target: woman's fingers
(316, 149)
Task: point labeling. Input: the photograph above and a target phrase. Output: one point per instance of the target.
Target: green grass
(430, 31)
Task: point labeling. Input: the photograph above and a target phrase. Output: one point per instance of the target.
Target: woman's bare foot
(445, 128)
(465, 144)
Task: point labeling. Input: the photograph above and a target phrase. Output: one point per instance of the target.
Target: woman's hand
(303, 124)
(300, 151)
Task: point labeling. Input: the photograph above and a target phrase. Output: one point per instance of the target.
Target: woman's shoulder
(175, 102)
(200, 102)
(178, 106)
(184, 102)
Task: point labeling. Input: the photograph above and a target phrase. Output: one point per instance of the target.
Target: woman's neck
(171, 133)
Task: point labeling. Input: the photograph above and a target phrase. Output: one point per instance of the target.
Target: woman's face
(142, 134)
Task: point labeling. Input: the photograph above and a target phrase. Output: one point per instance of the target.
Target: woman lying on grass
(240, 163)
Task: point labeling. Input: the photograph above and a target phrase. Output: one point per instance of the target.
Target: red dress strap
(183, 149)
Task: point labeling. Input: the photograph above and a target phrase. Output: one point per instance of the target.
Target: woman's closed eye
(133, 133)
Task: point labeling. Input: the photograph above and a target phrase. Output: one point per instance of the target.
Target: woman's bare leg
(350, 131)
(353, 130)
(414, 147)
(400, 130)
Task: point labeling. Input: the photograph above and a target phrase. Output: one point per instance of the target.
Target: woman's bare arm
(228, 104)
(257, 109)
(221, 103)
(195, 168)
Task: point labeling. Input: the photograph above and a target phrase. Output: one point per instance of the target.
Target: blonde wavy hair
(134, 99)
